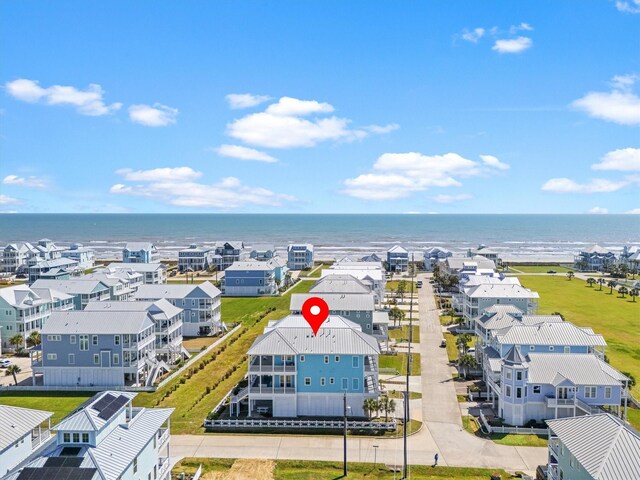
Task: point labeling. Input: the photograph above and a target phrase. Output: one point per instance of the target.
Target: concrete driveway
(24, 377)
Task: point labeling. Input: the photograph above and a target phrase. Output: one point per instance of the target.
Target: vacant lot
(398, 363)
(60, 403)
(618, 319)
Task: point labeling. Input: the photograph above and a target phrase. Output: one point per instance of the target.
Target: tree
(601, 281)
(624, 270)
(632, 379)
(17, 341)
(387, 405)
(611, 284)
(466, 362)
(559, 314)
(623, 291)
(396, 315)
(591, 281)
(462, 342)
(369, 406)
(34, 339)
(570, 275)
(13, 370)
(391, 406)
(451, 311)
(402, 289)
(634, 293)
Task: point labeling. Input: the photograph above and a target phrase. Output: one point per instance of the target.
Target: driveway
(24, 377)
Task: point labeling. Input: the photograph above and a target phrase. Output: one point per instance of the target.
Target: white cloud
(452, 198)
(288, 106)
(597, 185)
(245, 100)
(634, 211)
(632, 6)
(87, 102)
(227, 194)
(624, 159)
(157, 115)
(620, 105)
(29, 182)
(159, 174)
(382, 129)
(512, 45)
(398, 175)
(491, 161)
(244, 153)
(473, 35)
(599, 210)
(518, 28)
(6, 200)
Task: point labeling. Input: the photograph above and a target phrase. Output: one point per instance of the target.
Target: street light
(344, 468)
(375, 454)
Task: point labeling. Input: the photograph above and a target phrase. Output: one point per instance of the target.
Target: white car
(4, 362)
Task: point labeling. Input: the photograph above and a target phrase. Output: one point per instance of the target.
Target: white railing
(196, 476)
(164, 436)
(163, 466)
(240, 395)
(254, 367)
(517, 430)
(295, 423)
(559, 402)
(266, 389)
(587, 408)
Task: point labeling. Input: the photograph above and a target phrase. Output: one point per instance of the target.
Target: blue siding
(315, 368)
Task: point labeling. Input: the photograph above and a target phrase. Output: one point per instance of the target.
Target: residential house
(434, 256)
(593, 447)
(343, 283)
(477, 265)
(498, 317)
(15, 257)
(82, 291)
(594, 259)
(200, 304)
(630, 257)
(468, 282)
(24, 310)
(486, 252)
(228, 252)
(81, 254)
(96, 348)
(249, 279)
(372, 257)
(299, 256)
(263, 252)
(153, 273)
(541, 386)
(371, 274)
(57, 269)
(293, 373)
(22, 432)
(140, 252)
(106, 438)
(476, 298)
(195, 258)
(45, 250)
(167, 319)
(397, 259)
(281, 270)
(122, 284)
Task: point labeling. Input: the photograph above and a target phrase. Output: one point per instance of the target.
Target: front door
(106, 359)
(563, 393)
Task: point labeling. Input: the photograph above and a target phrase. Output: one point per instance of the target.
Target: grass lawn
(61, 403)
(318, 270)
(452, 347)
(398, 394)
(633, 417)
(618, 319)
(313, 470)
(403, 333)
(537, 268)
(399, 362)
(470, 424)
(393, 285)
(196, 343)
(446, 320)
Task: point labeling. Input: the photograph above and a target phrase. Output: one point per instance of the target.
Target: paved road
(442, 431)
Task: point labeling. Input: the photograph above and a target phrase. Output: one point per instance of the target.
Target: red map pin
(315, 311)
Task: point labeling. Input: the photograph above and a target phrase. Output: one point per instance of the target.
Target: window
(135, 465)
(355, 383)
(66, 437)
(94, 339)
(52, 356)
(85, 438)
(590, 392)
(508, 390)
(323, 381)
(116, 339)
(76, 438)
(518, 392)
(536, 389)
(332, 380)
(302, 358)
(96, 359)
(551, 348)
(607, 392)
(326, 359)
(507, 372)
(84, 343)
(307, 381)
(54, 338)
(337, 359)
(567, 349)
(355, 362)
(72, 339)
(72, 359)
(518, 375)
(345, 384)
(116, 359)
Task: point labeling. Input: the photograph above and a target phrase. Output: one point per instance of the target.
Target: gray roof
(339, 283)
(15, 422)
(137, 267)
(348, 265)
(398, 249)
(175, 290)
(96, 322)
(336, 301)
(21, 296)
(501, 291)
(250, 266)
(550, 333)
(457, 263)
(57, 262)
(493, 357)
(159, 309)
(359, 273)
(292, 335)
(578, 368)
(85, 418)
(308, 246)
(51, 294)
(71, 286)
(514, 357)
(605, 446)
(137, 246)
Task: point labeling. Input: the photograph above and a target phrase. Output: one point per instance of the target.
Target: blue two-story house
(140, 252)
(397, 259)
(250, 278)
(299, 256)
(82, 291)
(294, 373)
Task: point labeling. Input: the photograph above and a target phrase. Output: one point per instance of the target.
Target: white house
(22, 432)
(154, 273)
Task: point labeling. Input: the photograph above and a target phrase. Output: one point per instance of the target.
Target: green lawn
(537, 268)
(402, 334)
(633, 417)
(318, 270)
(60, 403)
(311, 470)
(399, 363)
(618, 319)
(446, 319)
(393, 285)
(398, 394)
(470, 424)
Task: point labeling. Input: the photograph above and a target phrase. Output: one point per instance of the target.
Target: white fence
(43, 388)
(294, 423)
(518, 430)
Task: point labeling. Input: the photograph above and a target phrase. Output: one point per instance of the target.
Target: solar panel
(70, 451)
(56, 473)
(54, 462)
(70, 462)
(103, 402)
(109, 410)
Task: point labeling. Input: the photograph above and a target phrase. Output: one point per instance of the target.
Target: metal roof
(138, 267)
(605, 446)
(51, 294)
(579, 368)
(21, 296)
(457, 263)
(339, 284)
(137, 246)
(250, 266)
(550, 333)
(85, 418)
(398, 249)
(96, 322)
(359, 273)
(308, 246)
(159, 309)
(57, 262)
(336, 301)
(350, 265)
(501, 291)
(71, 286)
(15, 422)
(175, 290)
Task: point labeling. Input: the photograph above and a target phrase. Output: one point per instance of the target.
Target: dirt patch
(243, 469)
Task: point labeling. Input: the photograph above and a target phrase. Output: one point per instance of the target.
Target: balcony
(553, 402)
(269, 367)
(270, 389)
(163, 466)
(163, 436)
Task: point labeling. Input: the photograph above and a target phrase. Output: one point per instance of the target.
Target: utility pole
(406, 393)
(344, 468)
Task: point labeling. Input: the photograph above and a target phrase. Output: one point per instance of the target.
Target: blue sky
(320, 106)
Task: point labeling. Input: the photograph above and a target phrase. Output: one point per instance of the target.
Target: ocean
(517, 237)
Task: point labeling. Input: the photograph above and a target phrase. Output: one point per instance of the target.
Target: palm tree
(462, 342)
(396, 315)
(17, 341)
(34, 339)
(623, 291)
(369, 406)
(387, 405)
(570, 275)
(591, 281)
(391, 406)
(611, 284)
(402, 288)
(624, 270)
(466, 362)
(634, 293)
(451, 311)
(601, 281)
(13, 370)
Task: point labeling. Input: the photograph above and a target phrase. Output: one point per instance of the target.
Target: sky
(320, 106)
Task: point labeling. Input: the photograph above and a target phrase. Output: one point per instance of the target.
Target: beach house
(200, 304)
(397, 259)
(81, 254)
(460, 266)
(263, 252)
(167, 319)
(57, 269)
(22, 432)
(15, 257)
(593, 447)
(358, 308)
(250, 278)
(82, 291)
(433, 256)
(96, 348)
(594, 259)
(140, 252)
(122, 284)
(153, 273)
(45, 250)
(293, 373)
(371, 274)
(228, 252)
(106, 438)
(195, 258)
(299, 256)
(485, 252)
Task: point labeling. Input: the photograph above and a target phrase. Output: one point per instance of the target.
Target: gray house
(96, 348)
(228, 252)
(153, 273)
(82, 291)
(140, 252)
(251, 278)
(195, 258)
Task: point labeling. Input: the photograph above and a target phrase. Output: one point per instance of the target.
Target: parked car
(552, 271)
(443, 344)
(471, 351)
(419, 284)
(4, 362)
